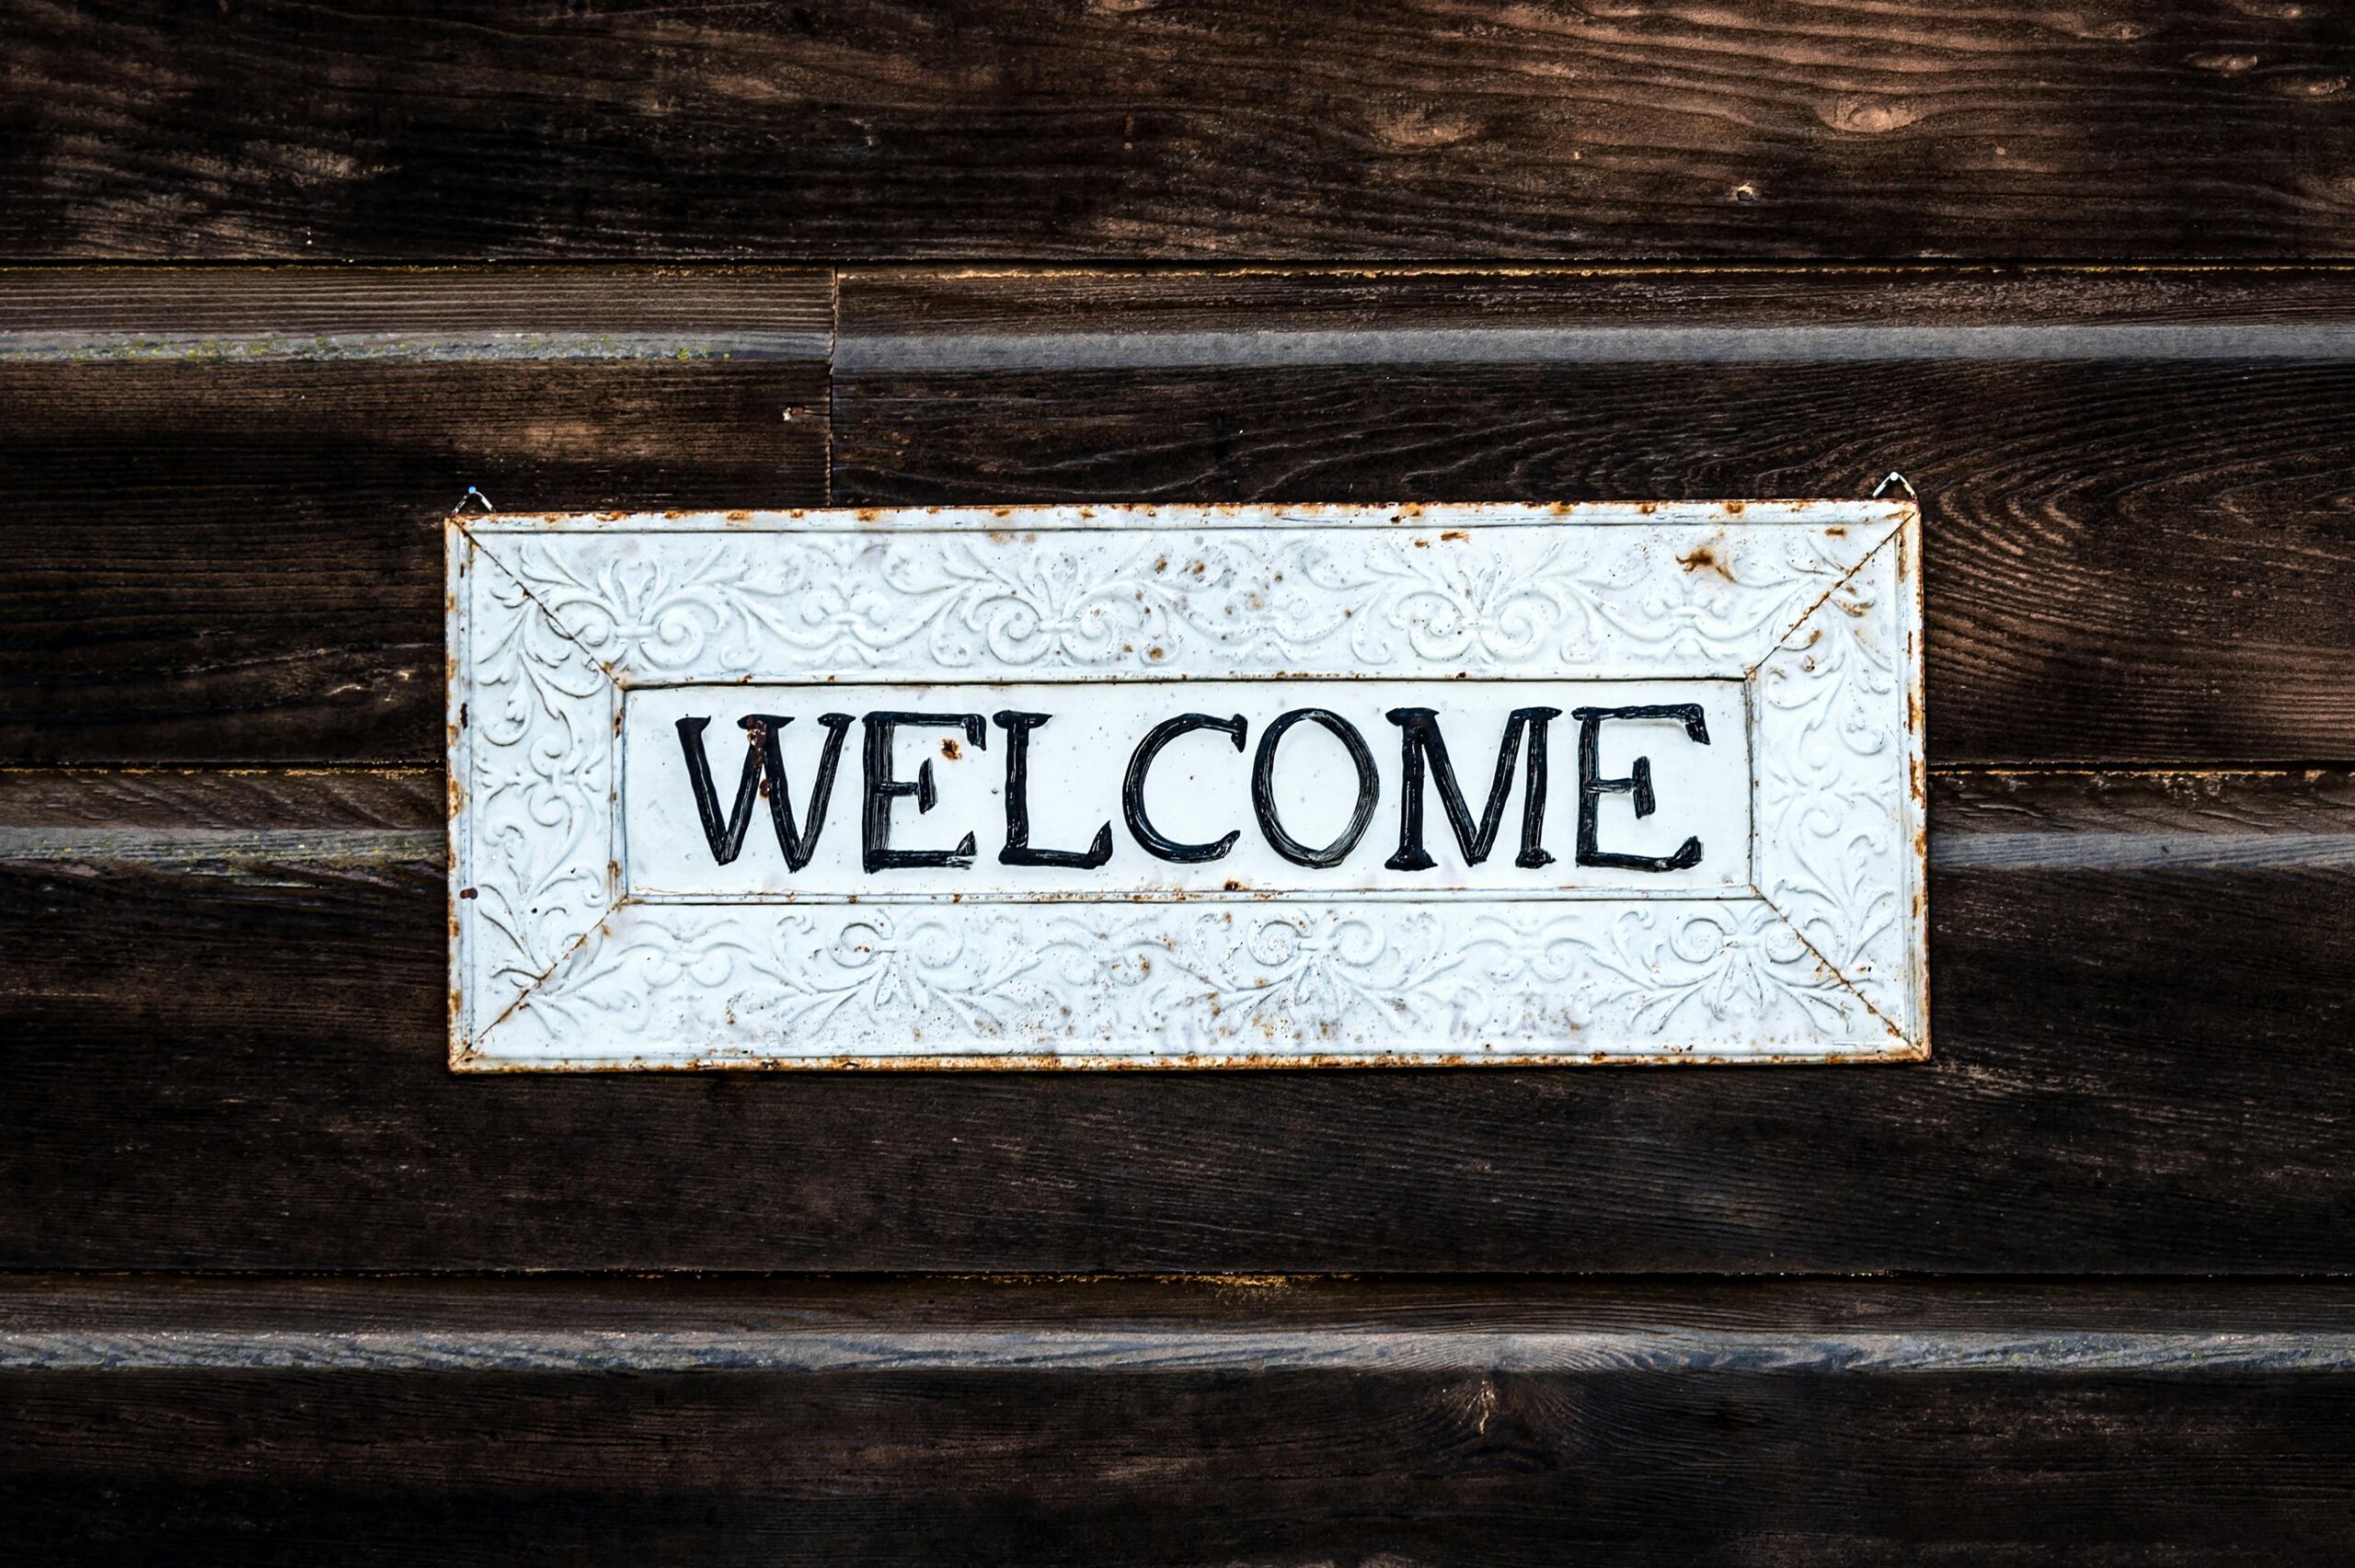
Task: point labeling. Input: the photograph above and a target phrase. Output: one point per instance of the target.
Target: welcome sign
(1187, 786)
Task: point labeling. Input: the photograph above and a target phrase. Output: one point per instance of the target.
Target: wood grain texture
(1079, 1422)
(848, 128)
(225, 538)
(1003, 318)
(245, 314)
(230, 556)
(2115, 573)
(230, 1057)
(619, 1323)
(162, 802)
(1208, 1468)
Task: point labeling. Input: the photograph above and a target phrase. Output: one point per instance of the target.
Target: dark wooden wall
(282, 281)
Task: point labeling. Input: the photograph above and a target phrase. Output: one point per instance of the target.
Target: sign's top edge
(1274, 515)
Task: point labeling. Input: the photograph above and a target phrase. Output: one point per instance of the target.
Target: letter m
(1418, 735)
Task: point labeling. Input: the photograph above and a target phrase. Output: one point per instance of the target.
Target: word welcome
(1424, 759)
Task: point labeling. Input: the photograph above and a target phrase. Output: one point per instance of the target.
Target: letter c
(1133, 789)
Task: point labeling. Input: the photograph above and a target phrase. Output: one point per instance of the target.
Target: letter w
(763, 757)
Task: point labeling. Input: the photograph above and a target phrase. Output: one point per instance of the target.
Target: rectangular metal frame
(1814, 605)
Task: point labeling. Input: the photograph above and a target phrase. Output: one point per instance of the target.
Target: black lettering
(1419, 737)
(1592, 788)
(764, 755)
(1132, 788)
(1263, 794)
(1018, 849)
(882, 789)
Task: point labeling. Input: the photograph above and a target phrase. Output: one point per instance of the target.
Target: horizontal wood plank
(624, 1323)
(2115, 573)
(246, 314)
(847, 129)
(2133, 1049)
(164, 803)
(983, 318)
(229, 557)
(1082, 1422)
(225, 544)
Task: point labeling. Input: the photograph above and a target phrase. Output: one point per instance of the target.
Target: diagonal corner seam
(474, 542)
(1783, 640)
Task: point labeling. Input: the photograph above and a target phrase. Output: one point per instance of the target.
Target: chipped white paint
(597, 923)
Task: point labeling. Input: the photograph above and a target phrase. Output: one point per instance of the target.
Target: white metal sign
(1187, 786)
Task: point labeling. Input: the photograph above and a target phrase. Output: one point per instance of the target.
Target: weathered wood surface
(620, 1323)
(232, 559)
(221, 985)
(224, 541)
(1077, 1421)
(2115, 572)
(243, 314)
(1005, 317)
(228, 1054)
(853, 129)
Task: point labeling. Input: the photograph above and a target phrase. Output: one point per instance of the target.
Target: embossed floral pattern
(1497, 600)
(1836, 790)
(1198, 981)
(536, 767)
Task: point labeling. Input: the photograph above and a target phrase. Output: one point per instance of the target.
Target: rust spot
(949, 749)
(1160, 563)
(1153, 653)
(466, 892)
(1835, 530)
(1702, 558)
(1456, 534)
(1233, 885)
(1422, 543)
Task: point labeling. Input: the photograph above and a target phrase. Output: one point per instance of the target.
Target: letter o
(1263, 794)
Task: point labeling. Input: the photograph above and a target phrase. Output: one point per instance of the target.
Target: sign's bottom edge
(468, 1061)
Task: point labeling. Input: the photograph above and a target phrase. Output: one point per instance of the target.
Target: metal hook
(1894, 478)
(472, 494)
